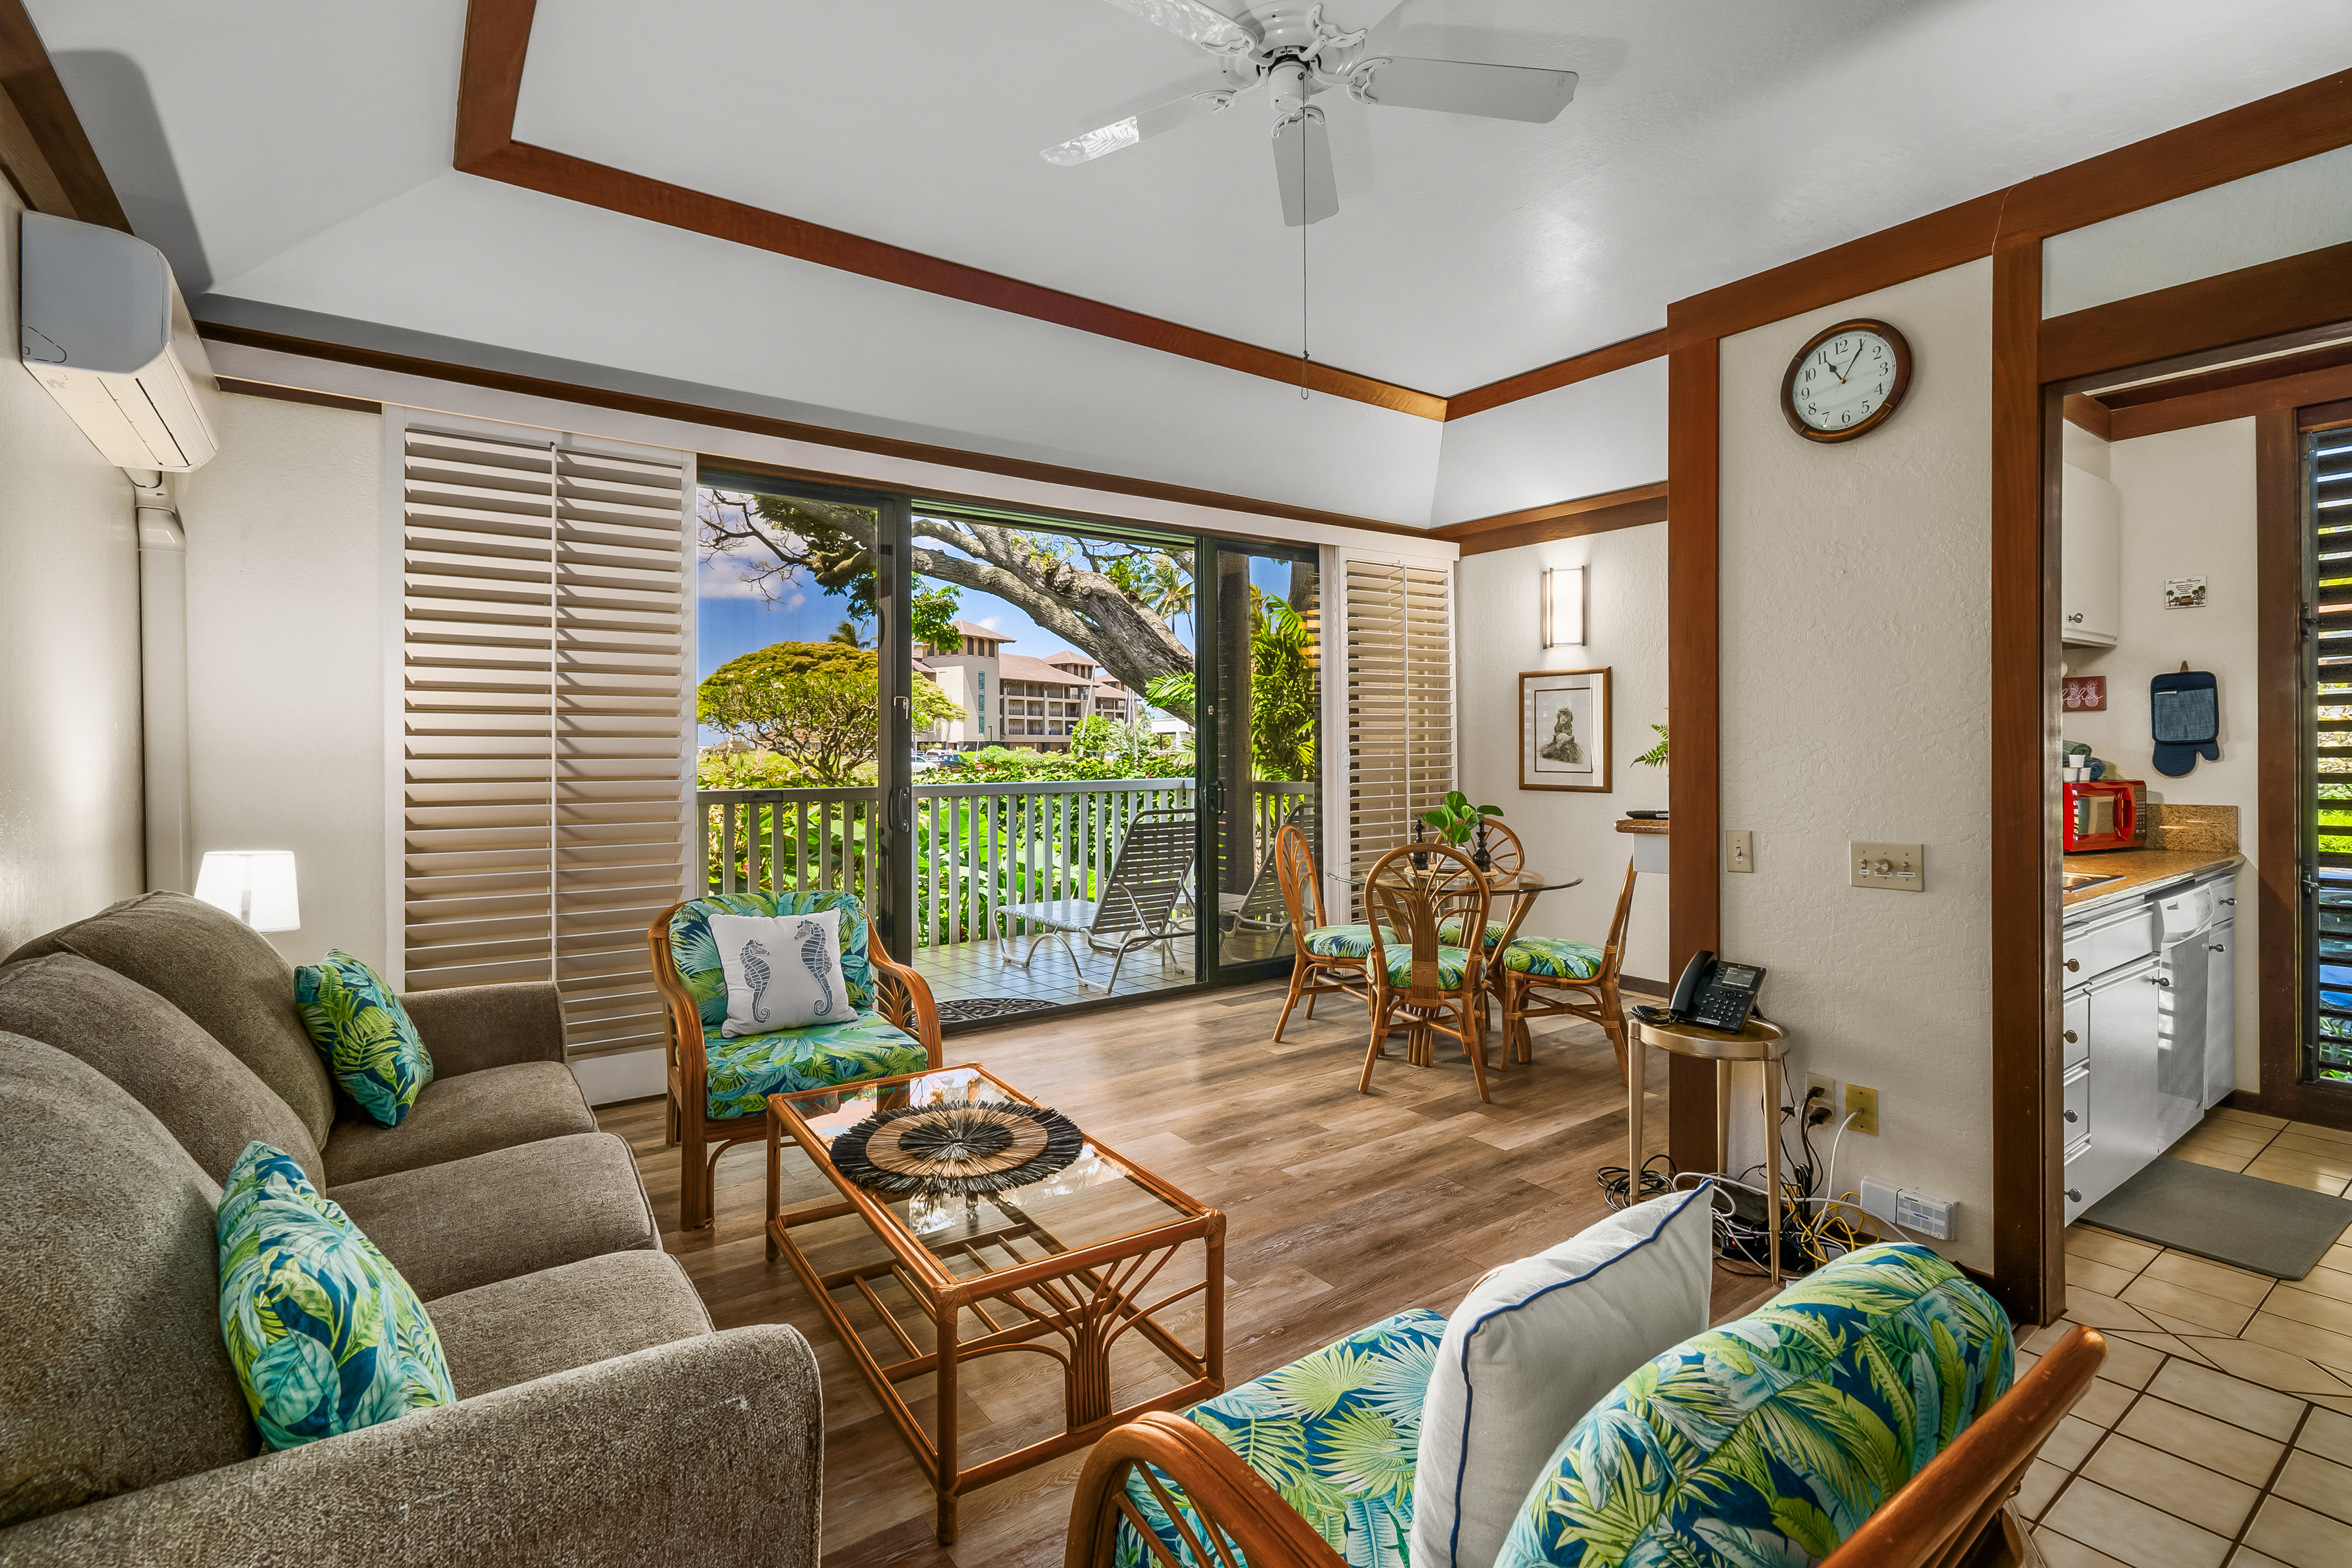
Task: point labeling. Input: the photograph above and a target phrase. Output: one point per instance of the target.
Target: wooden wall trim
(2278, 591)
(2325, 417)
(1558, 373)
(2248, 306)
(2212, 405)
(1693, 700)
(789, 430)
(43, 149)
(2088, 414)
(1600, 513)
(2028, 1212)
(244, 388)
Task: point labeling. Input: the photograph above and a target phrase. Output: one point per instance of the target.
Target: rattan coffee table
(1061, 1268)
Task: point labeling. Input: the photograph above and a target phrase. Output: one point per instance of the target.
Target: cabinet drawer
(2078, 1198)
(2108, 942)
(2074, 1031)
(2076, 1111)
(2184, 912)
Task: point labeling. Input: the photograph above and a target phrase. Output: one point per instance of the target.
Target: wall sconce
(257, 885)
(1563, 608)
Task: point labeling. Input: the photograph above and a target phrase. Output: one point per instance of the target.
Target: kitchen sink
(2077, 880)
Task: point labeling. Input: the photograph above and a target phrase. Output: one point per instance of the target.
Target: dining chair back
(1326, 958)
(1540, 978)
(1412, 893)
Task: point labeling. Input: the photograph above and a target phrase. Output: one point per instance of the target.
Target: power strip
(1912, 1211)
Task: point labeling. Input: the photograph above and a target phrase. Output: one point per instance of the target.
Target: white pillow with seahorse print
(783, 971)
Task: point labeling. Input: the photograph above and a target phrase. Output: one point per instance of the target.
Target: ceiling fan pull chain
(1303, 355)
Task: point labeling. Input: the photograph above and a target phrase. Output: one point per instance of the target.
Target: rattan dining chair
(1419, 980)
(1330, 959)
(1546, 977)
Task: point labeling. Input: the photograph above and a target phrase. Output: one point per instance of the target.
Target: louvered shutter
(1400, 711)
(545, 760)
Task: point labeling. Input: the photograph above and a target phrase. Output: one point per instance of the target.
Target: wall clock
(1846, 380)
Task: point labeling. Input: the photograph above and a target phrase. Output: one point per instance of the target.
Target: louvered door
(545, 762)
(1400, 699)
(2327, 845)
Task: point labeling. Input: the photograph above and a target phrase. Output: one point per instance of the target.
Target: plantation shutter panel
(545, 746)
(1400, 650)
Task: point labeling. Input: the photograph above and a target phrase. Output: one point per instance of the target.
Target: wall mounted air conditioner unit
(102, 326)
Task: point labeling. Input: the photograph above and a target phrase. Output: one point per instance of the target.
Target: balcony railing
(979, 845)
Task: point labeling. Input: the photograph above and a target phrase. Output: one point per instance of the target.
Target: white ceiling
(294, 154)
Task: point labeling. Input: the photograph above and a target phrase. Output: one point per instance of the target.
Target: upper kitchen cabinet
(2091, 528)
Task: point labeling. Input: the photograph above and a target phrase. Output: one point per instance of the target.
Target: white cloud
(727, 575)
(993, 622)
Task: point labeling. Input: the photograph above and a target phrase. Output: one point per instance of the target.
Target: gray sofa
(599, 1419)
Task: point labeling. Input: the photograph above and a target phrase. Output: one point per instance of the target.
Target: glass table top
(1529, 879)
(1097, 1197)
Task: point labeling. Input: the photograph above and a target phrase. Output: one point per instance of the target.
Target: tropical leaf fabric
(696, 955)
(1451, 930)
(324, 1333)
(1765, 1443)
(1336, 1433)
(1340, 941)
(1552, 957)
(371, 1047)
(744, 1069)
(1452, 962)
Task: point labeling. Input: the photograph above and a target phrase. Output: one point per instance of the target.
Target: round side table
(1759, 1041)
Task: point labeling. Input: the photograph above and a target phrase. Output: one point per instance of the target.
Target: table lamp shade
(257, 885)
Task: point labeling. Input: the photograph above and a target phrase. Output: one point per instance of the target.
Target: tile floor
(2219, 1431)
(993, 969)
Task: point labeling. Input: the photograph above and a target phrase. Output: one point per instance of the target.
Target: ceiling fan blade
(1458, 87)
(1191, 19)
(1302, 168)
(1124, 133)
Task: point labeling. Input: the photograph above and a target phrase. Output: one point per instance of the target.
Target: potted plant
(1456, 820)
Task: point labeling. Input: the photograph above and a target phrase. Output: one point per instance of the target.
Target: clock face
(1846, 380)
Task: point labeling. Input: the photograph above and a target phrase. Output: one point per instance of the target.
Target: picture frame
(1564, 730)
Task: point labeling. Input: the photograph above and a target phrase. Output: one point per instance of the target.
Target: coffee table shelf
(1063, 1268)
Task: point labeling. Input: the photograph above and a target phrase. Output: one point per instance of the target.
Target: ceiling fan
(1292, 52)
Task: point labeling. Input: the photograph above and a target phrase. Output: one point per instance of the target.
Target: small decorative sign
(2085, 693)
(2184, 592)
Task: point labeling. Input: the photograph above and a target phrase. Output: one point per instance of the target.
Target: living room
(476, 524)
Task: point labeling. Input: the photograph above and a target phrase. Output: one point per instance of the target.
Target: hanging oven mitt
(2185, 716)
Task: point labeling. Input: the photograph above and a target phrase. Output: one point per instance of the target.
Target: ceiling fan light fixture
(1111, 138)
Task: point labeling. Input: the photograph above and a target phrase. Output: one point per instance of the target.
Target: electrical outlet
(1903, 867)
(1821, 1092)
(1738, 850)
(1861, 1104)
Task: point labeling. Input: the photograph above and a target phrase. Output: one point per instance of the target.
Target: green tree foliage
(1283, 698)
(1011, 765)
(812, 703)
(933, 620)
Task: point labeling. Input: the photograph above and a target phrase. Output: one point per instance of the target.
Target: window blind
(1400, 699)
(545, 768)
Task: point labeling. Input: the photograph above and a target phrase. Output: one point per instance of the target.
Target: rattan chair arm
(1246, 1518)
(902, 995)
(685, 1058)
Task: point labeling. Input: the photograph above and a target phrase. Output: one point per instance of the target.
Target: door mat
(2245, 1221)
(972, 1009)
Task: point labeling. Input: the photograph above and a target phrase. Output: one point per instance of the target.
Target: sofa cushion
(1535, 1345)
(497, 1108)
(557, 1201)
(695, 955)
(110, 1316)
(363, 1035)
(325, 1335)
(221, 973)
(517, 1330)
(1770, 1439)
(1333, 1432)
(207, 1099)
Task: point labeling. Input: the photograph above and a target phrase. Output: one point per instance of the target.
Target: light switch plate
(1738, 850)
(1902, 867)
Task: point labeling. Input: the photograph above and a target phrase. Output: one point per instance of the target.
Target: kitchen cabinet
(2122, 1092)
(2220, 1011)
(2090, 527)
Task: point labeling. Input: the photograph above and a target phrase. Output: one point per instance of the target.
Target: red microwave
(2107, 814)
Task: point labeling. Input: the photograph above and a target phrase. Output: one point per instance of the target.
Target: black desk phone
(1712, 993)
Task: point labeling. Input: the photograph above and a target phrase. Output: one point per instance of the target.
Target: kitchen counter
(1628, 825)
(2142, 869)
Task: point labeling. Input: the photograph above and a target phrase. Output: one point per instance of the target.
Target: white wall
(1501, 635)
(286, 658)
(2278, 213)
(1856, 659)
(2188, 512)
(71, 840)
(1605, 434)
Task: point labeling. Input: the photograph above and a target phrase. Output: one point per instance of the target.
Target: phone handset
(1696, 976)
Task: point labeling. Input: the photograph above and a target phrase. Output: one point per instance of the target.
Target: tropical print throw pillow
(360, 1027)
(1769, 1440)
(324, 1333)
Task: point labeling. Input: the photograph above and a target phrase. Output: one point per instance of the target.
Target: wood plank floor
(1342, 1209)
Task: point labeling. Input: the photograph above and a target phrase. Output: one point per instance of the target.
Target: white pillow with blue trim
(1535, 1345)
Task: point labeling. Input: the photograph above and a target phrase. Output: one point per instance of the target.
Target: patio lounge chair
(1138, 903)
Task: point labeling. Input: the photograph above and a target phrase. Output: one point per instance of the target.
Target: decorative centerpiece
(966, 1149)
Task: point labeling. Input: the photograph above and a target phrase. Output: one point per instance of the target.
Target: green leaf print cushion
(1767, 1441)
(696, 955)
(365, 1035)
(324, 1333)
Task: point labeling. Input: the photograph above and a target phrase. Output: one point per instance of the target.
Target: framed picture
(1564, 730)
